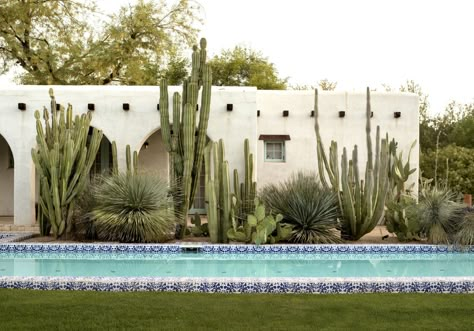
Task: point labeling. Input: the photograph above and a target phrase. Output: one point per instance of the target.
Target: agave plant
(133, 208)
(465, 235)
(439, 216)
(309, 208)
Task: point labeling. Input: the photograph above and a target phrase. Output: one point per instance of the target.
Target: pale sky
(356, 43)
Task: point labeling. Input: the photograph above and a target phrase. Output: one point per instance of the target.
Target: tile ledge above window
(281, 137)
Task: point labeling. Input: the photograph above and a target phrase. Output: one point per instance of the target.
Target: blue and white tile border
(237, 285)
(229, 249)
(245, 285)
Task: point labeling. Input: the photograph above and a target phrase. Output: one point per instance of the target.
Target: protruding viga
(185, 147)
(63, 158)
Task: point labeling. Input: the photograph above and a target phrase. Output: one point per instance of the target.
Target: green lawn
(64, 310)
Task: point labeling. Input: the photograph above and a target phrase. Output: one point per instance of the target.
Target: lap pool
(238, 268)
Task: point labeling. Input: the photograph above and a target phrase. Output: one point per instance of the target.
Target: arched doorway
(153, 158)
(103, 160)
(7, 168)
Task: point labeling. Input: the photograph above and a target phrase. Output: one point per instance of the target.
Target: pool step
(191, 247)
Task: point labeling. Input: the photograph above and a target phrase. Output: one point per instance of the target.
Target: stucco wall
(347, 131)
(142, 123)
(132, 127)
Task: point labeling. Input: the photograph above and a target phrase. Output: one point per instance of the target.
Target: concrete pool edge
(239, 285)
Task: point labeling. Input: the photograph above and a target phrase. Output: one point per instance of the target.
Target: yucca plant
(465, 235)
(133, 208)
(439, 215)
(309, 208)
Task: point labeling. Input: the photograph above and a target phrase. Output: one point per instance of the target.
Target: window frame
(283, 151)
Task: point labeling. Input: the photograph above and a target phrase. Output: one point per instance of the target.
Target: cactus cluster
(199, 229)
(131, 160)
(361, 202)
(63, 158)
(246, 191)
(228, 211)
(260, 228)
(184, 145)
(399, 172)
(221, 205)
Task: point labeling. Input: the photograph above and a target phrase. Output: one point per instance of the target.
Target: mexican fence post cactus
(361, 202)
(186, 148)
(63, 158)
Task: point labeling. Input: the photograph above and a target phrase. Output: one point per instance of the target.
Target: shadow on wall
(7, 167)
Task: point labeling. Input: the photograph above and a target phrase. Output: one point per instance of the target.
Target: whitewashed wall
(347, 131)
(132, 127)
(141, 123)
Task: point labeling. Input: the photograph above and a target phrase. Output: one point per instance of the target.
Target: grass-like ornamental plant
(133, 208)
(309, 208)
(465, 236)
(439, 215)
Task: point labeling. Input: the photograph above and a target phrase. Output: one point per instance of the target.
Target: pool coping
(242, 284)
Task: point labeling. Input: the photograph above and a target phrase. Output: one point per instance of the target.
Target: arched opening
(103, 160)
(153, 158)
(7, 168)
(199, 204)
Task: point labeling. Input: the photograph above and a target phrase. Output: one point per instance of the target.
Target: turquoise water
(240, 265)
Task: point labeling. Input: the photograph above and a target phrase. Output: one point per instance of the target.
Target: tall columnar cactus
(63, 158)
(131, 160)
(245, 192)
(228, 211)
(361, 201)
(220, 200)
(186, 148)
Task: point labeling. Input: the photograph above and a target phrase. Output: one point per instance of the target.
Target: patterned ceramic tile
(246, 285)
(235, 285)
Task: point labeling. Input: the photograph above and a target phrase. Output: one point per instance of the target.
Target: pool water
(239, 265)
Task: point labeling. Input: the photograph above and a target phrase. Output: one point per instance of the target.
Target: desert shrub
(465, 235)
(439, 215)
(82, 224)
(309, 208)
(133, 208)
(460, 174)
(401, 218)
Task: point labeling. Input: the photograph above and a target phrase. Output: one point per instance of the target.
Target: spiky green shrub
(309, 208)
(439, 215)
(133, 208)
(401, 218)
(465, 236)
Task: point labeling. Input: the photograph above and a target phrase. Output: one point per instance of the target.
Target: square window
(275, 151)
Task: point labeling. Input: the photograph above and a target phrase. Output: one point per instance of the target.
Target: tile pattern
(349, 249)
(237, 285)
(245, 285)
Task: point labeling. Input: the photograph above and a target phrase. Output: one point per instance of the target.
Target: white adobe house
(279, 125)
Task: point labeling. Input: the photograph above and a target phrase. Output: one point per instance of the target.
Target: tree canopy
(54, 41)
(324, 85)
(243, 66)
(446, 141)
